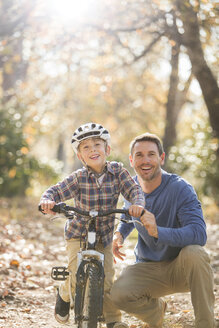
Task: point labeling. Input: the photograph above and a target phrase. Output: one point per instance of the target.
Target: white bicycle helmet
(89, 130)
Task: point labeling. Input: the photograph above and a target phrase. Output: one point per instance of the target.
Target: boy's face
(93, 152)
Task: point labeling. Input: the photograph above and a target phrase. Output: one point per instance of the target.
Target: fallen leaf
(14, 263)
(27, 310)
(5, 293)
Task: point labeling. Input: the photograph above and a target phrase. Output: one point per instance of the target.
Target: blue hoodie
(179, 218)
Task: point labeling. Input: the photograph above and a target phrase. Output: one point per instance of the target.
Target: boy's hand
(136, 210)
(117, 244)
(149, 222)
(47, 205)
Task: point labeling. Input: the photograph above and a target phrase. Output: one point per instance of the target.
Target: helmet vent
(89, 130)
(86, 135)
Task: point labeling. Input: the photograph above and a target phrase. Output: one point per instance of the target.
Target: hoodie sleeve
(192, 227)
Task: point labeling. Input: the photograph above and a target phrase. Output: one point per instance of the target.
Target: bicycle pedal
(59, 273)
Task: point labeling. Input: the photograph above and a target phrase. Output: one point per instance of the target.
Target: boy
(97, 185)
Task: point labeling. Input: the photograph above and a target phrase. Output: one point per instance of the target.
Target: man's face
(146, 160)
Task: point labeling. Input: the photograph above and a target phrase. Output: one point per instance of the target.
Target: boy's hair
(95, 138)
(147, 137)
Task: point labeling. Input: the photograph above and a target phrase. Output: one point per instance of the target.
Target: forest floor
(30, 245)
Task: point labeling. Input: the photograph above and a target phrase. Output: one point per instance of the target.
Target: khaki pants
(140, 286)
(111, 313)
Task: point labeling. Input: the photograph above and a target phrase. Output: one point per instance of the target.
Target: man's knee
(118, 292)
(194, 255)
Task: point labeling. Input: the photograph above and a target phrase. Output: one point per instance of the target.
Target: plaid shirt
(83, 187)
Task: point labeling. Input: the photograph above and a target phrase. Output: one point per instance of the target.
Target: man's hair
(147, 137)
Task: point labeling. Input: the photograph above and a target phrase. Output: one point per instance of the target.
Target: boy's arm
(62, 191)
(130, 190)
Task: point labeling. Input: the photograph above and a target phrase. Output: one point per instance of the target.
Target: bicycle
(89, 289)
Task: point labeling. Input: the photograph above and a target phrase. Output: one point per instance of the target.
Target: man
(169, 253)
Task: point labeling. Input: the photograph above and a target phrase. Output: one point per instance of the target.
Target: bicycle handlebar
(65, 209)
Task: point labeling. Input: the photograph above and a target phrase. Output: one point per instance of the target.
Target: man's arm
(123, 230)
(192, 230)
(117, 244)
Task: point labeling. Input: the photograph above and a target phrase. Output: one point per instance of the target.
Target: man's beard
(151, 176)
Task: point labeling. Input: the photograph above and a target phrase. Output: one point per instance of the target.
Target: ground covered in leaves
(30, 245)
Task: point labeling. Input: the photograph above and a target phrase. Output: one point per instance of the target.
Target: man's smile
(146, 168)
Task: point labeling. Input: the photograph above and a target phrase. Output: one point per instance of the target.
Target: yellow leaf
(8, 68)
(24, 150)
(27, 310)
(3, 140)
(14, 263)
(17, 58)
(12, 173)
(172, 42)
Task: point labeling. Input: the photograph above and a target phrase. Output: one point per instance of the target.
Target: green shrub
(17, 166)
(196, 158)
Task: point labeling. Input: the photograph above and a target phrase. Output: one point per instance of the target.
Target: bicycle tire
(89, 297)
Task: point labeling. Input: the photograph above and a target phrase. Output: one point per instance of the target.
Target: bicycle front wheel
(91, 297)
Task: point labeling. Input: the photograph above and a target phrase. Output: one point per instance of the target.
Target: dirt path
(28, 250)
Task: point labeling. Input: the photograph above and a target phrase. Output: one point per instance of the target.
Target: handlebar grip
(56, 208)
(40, 209)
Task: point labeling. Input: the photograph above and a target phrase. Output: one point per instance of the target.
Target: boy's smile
(93, 153)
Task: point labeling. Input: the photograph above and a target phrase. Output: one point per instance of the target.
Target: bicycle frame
(89, 289)
(90, 261)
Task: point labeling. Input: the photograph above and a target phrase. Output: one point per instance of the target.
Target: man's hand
(136, 210)
(149, 222)
(47, 205)
(117, 244)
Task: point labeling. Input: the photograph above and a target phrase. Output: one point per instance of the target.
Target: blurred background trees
(132, 65)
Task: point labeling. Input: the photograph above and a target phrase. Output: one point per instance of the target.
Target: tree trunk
(172, 110)
(201, 71)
